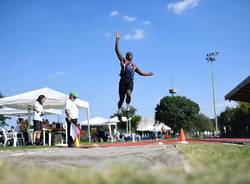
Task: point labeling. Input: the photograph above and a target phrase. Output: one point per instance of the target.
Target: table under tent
(54, 100)
(12, 112)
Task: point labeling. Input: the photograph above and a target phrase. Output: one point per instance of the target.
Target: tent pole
(88, 115)
(110, 133)
(29, 116)
(130, 128)
(66, 133)
(127, 126)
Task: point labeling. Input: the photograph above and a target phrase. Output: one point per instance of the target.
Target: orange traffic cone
(182, 137)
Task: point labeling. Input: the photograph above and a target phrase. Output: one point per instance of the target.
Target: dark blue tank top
(127, 71)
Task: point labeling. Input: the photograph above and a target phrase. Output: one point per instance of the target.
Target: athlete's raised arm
(137, 70)
(117, 48)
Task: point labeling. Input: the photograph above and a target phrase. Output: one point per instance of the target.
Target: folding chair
(8, 137)
(18, 138)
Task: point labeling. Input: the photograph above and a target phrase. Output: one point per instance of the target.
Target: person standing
(71, 111)
(38, 113)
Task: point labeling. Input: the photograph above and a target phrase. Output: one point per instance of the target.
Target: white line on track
(18, 154)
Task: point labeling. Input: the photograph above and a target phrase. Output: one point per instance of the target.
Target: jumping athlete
(128, 68)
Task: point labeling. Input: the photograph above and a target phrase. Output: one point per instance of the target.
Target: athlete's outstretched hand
(150, 74)
(118, 35)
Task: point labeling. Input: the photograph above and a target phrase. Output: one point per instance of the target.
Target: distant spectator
(46, 124)
(24, 129)
(18, 125)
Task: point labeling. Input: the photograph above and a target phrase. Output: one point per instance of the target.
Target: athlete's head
(129, 56)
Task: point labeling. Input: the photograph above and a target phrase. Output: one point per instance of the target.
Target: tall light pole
(211, 57)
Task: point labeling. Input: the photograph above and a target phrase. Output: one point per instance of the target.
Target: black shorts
(37, 125)
(125, 85)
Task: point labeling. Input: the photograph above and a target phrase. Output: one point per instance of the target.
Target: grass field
(204, 163)
(217, 163)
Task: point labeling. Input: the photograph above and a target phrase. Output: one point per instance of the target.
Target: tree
(226, 120)
(135, 119)
(177, 112)
(235, 122)
(2, 118)
(243, 109)
(203, 123)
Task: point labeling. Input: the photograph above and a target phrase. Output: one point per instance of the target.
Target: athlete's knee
(128, 99)
(128, 92)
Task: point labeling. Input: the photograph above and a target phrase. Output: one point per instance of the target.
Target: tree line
(235, 121)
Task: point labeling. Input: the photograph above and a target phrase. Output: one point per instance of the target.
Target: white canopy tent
(148, 128)
(99, 121)
(155, 128)
(145, 124)
(161, 126)
(149, 125)
(116, 120)
(124, 119)
(54, 100)
(20, 112)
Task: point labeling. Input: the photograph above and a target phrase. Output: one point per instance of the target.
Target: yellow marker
(77, 143)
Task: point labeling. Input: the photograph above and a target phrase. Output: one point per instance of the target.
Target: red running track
(230, 140)
(172, 142)
(151, 142)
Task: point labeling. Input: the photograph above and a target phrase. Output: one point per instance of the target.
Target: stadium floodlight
(211, 57)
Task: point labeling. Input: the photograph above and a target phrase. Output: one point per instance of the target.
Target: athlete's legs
(128, 98)
(122, 93)
(129, 90)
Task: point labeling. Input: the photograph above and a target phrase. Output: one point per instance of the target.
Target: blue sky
(69, 45)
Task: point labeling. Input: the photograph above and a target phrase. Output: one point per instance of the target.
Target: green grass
(115, 174)
(210, 163)
(218, 163)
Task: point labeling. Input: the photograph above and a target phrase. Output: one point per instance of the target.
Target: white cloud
(114, 13)
(147, 22)
(138, 34)
(60, 72)
(129, 18)
(51, 76)
(223, 105)
(107, 34)
(182, 5)
(57, 74)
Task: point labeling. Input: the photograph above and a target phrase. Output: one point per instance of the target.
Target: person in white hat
(71, 111)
